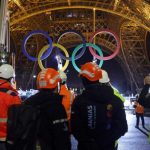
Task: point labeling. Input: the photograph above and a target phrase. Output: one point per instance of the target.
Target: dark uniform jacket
(53, 131)
(98, 118)
(144, 97)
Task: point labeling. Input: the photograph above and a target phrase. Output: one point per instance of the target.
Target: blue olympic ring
(49, 50)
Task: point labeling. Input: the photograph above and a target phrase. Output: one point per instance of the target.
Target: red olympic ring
(108, 32)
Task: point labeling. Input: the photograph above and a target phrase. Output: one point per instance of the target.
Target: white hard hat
(6, 71)
(105, 78)
(63, 76)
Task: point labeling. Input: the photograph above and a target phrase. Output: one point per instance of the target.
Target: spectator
(139, 110)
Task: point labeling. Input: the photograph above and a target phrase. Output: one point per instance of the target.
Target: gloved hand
(63, 76)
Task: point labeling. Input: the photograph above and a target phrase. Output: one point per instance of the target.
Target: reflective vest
(67, 99)
(7, 98)
(116, 92)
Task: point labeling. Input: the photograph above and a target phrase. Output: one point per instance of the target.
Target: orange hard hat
(48, 79)
(91, 71)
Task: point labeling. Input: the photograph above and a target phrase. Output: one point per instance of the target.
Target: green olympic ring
(89, 45)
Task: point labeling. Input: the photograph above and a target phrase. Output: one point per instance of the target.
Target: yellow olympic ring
(54, 45)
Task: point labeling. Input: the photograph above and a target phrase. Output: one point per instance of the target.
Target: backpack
(22, 126)
(22, 119)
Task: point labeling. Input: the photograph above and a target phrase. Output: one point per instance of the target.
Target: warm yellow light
(69, 2)
(146, 12)
(116, 3)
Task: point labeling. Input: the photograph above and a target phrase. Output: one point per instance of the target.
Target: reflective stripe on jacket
(7, 98)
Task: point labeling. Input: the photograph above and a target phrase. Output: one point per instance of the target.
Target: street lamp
(34, 77)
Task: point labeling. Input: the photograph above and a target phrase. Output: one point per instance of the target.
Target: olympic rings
(49, 50)
(54, 45)
(116, 38)
(80, 46)
(83, 41)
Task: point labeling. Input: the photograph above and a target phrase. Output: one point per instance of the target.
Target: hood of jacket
(99, 92)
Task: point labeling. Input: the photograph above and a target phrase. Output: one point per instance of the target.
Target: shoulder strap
(10, 92)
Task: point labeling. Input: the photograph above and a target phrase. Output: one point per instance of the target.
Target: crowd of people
(96, 117)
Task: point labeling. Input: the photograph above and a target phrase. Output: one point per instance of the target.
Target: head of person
(147, 80)
(62, 85)
(105, 78)
(7, 72)
(90, 73)
(48, 79)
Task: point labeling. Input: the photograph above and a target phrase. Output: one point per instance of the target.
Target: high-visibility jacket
(8, 97)
(139, 108)
(67, 100)
(116, 92)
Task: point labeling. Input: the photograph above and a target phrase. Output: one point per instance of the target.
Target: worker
(105, 79)
(53, 130)
(144, 96)
(8, 97)
(68, 96)
(98, 118)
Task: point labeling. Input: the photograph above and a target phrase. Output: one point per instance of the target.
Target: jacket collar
(6, 84)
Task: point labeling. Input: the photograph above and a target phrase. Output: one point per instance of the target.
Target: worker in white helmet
(8, 97)
(105, 80)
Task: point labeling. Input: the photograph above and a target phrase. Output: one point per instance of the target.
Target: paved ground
(134, 139)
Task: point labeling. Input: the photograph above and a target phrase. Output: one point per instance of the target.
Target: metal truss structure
(128, 18)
